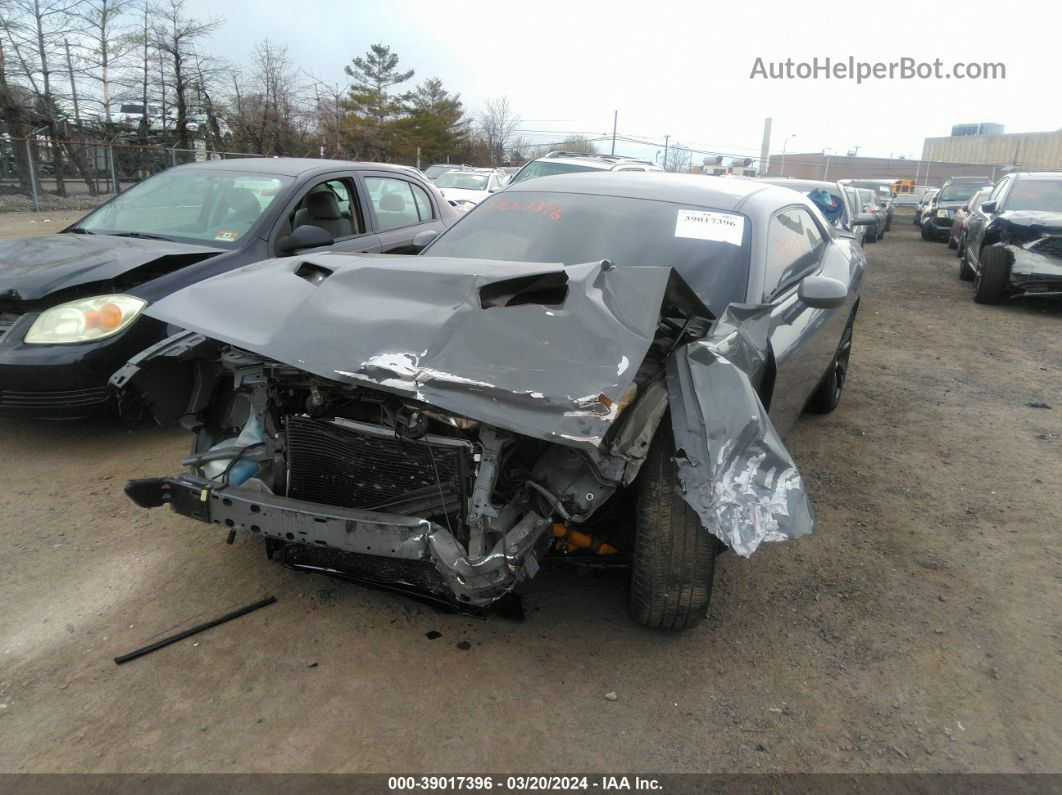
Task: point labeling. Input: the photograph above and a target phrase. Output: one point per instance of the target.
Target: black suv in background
(938, 216)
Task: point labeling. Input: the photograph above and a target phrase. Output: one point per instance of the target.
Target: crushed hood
(544, 350)
(34, 267)
(1034, 223)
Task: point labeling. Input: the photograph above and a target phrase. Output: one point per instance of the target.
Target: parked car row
(440, 423)
(1007, 235)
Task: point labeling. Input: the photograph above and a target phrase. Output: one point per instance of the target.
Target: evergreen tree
(373, 108)
(435, 122)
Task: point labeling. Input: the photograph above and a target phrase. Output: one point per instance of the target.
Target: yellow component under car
(566, 540)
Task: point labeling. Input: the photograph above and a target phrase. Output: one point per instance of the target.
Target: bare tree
(35, 30)
(497, 124)
(107, 40)
(679, 159)
(175, 34)
(269, 114)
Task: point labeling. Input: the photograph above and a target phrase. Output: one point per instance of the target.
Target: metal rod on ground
(33, 177)
(188, 632)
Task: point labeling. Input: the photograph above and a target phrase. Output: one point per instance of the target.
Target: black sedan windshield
(709, 248)
(958, 193)
(216, 208)
(1036, 194)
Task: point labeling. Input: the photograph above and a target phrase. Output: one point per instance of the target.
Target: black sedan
(1013, 246)
(597, 366)
(72, 304)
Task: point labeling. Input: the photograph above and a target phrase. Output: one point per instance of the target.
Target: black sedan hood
(34, 267)
(1036, 222)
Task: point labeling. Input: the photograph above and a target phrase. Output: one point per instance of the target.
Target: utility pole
(781, 170)
(615, 116)
(666, 137)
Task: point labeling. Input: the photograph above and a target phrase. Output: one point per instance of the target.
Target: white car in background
(467, 188)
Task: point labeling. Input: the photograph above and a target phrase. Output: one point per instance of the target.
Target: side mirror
(989, 207)
(822, 292)
(494, 188)
(302, 237)
(423, 238)
(864, 219)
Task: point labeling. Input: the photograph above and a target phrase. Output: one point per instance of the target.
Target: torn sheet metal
(529, 347)
(735, 472)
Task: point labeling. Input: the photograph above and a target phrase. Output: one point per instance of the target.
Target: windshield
(431, 172)
(1036, 194)
(544, 168)
(958, 193)
(464, 180)
(189, 205)
(710, 249)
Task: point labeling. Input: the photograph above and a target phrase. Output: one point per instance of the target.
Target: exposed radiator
(357, 465)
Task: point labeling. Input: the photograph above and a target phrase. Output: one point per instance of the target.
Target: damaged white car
(590, 366)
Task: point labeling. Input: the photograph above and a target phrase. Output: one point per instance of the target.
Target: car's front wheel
(674, 556)
(990, 284)
(926, 233)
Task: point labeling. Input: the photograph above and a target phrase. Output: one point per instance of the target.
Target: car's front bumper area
(374, 544)
(65, 381)
(940, 227)
(1035, 274)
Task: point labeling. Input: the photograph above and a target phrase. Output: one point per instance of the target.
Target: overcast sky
(682, 68)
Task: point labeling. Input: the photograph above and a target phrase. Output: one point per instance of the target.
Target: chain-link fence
(46, 174)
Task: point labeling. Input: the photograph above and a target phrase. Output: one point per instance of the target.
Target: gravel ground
(919, 628)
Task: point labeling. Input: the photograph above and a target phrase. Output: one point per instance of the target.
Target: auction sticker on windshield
(707, 225)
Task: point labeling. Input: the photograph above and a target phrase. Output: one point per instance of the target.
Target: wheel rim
(840, 365)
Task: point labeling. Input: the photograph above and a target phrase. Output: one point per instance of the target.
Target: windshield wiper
(77, 230)
(141, 236)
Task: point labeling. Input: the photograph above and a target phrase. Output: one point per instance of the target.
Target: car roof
(290, 166)
(722, 193)
(1039, 175)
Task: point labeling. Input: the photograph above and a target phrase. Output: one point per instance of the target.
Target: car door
(400, 210)
(803, 339)
(351, 232)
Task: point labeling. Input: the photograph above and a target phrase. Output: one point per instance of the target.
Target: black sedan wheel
(927, 233)
(674, 556)
(828, 394)
(990, 284)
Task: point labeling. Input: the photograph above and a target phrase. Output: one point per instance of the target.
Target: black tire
(888, 224)
(966, 273)
(926, 233)
(871, 236)
(828, 393)
(674, 556)
(952, 242)
(990, 283)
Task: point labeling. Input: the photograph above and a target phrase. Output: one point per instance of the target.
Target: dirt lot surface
(919, 628)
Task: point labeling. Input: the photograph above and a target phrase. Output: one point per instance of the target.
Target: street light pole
(781, 169)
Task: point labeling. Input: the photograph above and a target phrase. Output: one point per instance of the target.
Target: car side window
(997, 193)
(331, 205)
(393, 201)
(794, 245)
(420, 198)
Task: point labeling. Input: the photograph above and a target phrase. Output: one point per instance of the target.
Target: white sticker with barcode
(707, 225)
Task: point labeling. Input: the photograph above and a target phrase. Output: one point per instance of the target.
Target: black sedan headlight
(85, 320)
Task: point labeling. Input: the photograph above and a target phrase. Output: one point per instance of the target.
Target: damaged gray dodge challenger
(595, 366)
